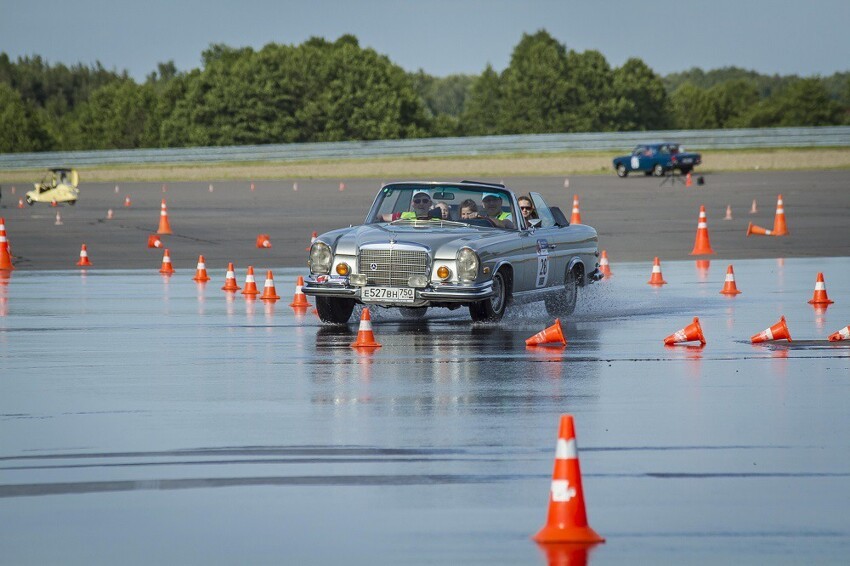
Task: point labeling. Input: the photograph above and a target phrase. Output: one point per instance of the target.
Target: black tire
(658, 170)
(685, 170)
(492, 309)
(622, 171)
(333, 310)
(564, 302)
(412, 312)
(30, 201)
(72, 202)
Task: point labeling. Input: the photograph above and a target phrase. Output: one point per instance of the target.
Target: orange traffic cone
(728, 212)
(20, 203)
(84, 257)
(758, 230)
(551, 335)
(53, 203)
(250, 285)
(690, 333)
(656, 278)
(341, 187)
(109, 214)
(300, 299)
(779, 227)
(201, 270)
(729, 287)
(269, 292)
(778, 331)
(166, 268)
(702, 245)
(312, 240)
(567, 517)
(820, 297)
(164, 225)
(689, 182)
(154, 241)
(263, 241)
(604, 267)
(230, 280)
(127, 202)
(576, 216)
(5, 256)
(843, 334)
(365, 337)
(754, 209)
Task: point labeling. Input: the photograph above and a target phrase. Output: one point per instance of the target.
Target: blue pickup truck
(656, 159)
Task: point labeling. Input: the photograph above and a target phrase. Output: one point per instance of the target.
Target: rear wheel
(492, 309)
(333, 310)
(621, 170)
(72, 202)
(564, 302)
(30, 201)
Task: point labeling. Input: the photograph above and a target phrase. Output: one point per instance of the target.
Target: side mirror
(560, 219)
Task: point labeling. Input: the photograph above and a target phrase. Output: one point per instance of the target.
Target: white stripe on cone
(566, 449)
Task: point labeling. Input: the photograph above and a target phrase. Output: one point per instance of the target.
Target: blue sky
(440, 37)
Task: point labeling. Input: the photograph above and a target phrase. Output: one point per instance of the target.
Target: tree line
(323, 91)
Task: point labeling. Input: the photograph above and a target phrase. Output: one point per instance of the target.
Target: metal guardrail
(827, 136)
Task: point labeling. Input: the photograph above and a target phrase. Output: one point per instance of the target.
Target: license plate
(687, 160)
(393, 294)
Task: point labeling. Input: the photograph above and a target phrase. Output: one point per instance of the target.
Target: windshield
(479, 206)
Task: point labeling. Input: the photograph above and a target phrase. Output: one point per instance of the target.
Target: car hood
(441, 240)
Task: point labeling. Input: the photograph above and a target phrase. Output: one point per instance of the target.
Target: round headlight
(467, 264)
(320, 258)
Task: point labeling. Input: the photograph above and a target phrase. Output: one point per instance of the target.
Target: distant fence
(828, 136)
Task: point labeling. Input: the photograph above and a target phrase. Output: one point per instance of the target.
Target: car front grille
(392, 268)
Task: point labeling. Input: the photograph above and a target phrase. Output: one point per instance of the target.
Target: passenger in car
(468, 209)
(420, 206)
(526, 208)
(443, 209)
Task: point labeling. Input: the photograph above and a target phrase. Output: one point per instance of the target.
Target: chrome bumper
(439, 294)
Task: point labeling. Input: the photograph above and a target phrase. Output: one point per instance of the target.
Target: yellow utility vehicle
(58, 185)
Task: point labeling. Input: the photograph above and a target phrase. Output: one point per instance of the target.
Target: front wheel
(72, 202)
(622, 171)
(333, 310)
(658, 170)
(564, 302)
(492, 309)
(30, 201)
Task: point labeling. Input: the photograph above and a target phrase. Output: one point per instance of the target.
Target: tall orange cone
(341, 187)
(250, 289)
(84, 257)
(365, 337)
(820, 297)
(5, 256)
(728, 212)
(702, 245)
(154, 241)
(230, 279)
(604, 266)
(269, 292)
(551, 335)
(164, 225)
(843, 334)
(690, 333)
(729, 287)
(201, 270)
(758, 230)
(312, 240)
(567, 517)
(53, 203)
(778, 331)
(263, 241)
(754, 208)
(300, 299)
(575, 218)
(167, 268)
(779, 227)
(689, 182)
(127, 202)
(20, 203)
(656, 278)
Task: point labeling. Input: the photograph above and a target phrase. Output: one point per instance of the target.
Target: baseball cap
(491, 195)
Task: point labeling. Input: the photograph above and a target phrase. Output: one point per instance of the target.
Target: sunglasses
(421, 200)
(525, 208)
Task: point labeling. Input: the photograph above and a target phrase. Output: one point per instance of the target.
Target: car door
(546, 249)
(635, 160)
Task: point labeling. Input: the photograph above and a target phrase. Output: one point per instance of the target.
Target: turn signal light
(342, 269)
(444, 272)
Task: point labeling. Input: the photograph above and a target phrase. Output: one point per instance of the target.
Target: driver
(493, 210)
(420, 206)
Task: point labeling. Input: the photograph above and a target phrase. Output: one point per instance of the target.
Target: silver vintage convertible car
(424, 245)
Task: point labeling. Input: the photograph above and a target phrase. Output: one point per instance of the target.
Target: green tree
(693, 108)
(804, 102)
(733, 101)
(22, 126)
(482, 112)
(640, 100)
(115, 117)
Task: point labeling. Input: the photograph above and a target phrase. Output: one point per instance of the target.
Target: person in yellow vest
(493, 209)
(420, 206)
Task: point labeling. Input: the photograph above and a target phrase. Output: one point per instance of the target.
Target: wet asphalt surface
(147, 419)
